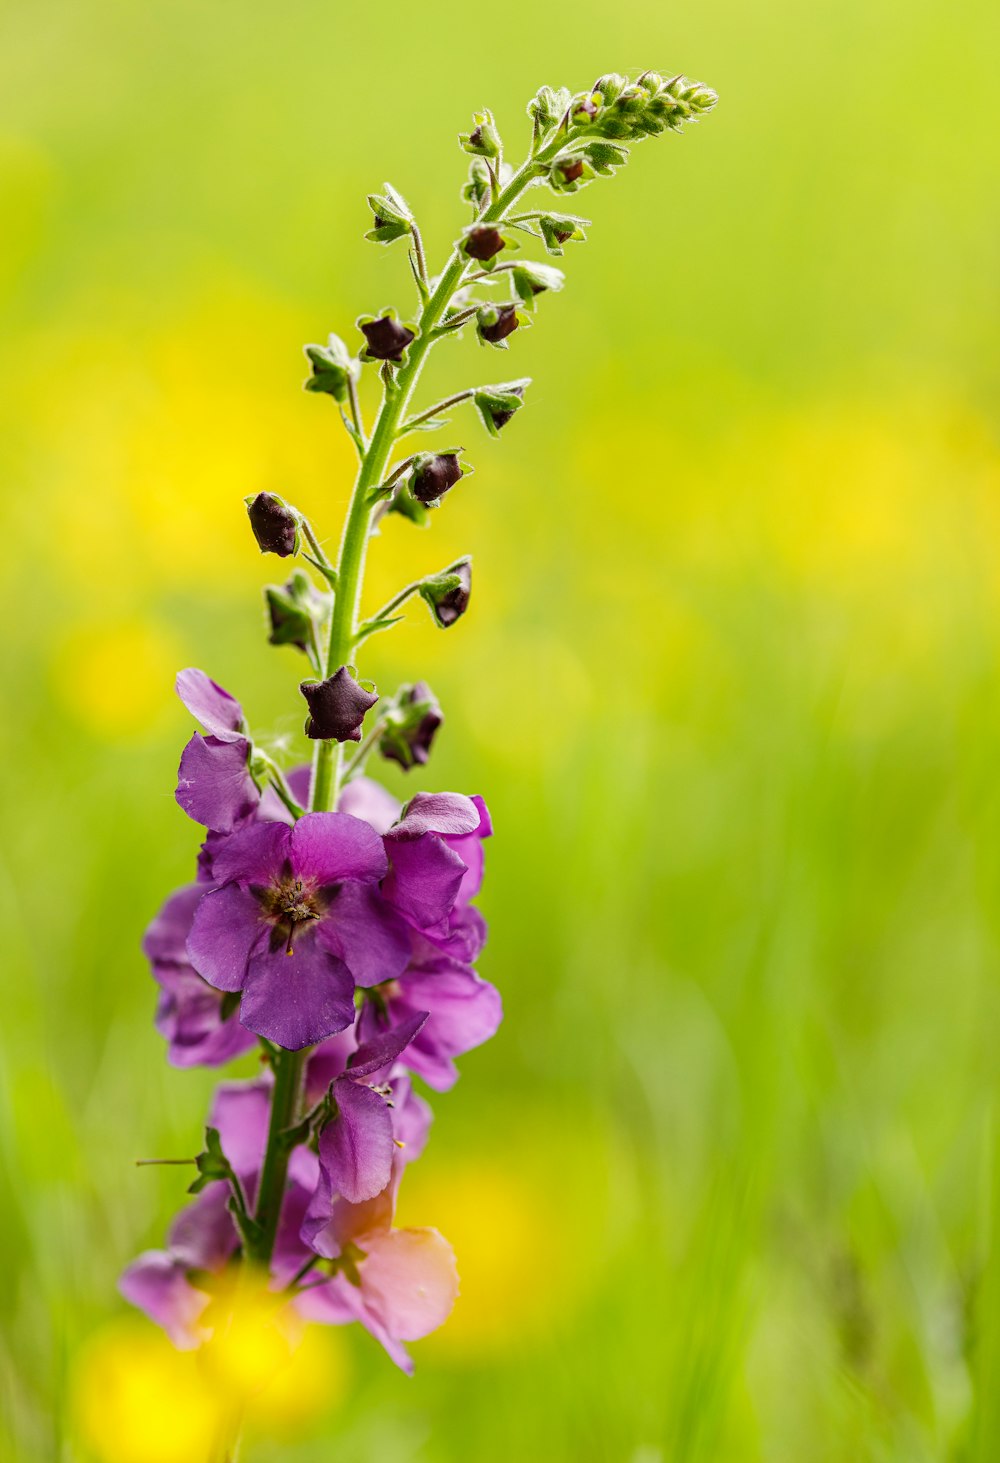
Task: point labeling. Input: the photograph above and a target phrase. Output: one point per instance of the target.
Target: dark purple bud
(337, 707)
(505, 323)
(387, 339)
(409, 736)
(584, 109)
(275, 526)
(484, 242)
(569, 172)
(447, 594)
(433, 475)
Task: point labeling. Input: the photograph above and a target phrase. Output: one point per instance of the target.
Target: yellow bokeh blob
(137, 1400)
(116, 679)
(527, 1246)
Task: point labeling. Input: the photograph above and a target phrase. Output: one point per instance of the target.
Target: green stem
(328, 760)
(328, 763)
(288, 1070)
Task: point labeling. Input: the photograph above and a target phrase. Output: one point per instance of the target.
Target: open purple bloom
(199, 1023)
(297, 921)
(460, 1009)
(174, 1286)
(399, 1283)
(356, 1146)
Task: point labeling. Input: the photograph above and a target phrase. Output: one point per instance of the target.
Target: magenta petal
(214, 786)
(166, 936)
(363, 798)
(189, 1017)
(367, 934)
(297, 999)
(241, 1111)
(158, 1285)
(331, 847)
(203, 1235)
(219, 713)
(384, 1048)
(409, 1280)
(225, 929)
(437, 812)
(424, 878)
(356, 1147)
(252, 855)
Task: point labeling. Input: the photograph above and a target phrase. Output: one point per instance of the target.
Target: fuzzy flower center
(289, 906)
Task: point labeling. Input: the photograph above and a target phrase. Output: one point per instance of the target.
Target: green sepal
(497, 404)
(393, 216)
(295, 610)
(212, 1164)
(406, 505)
(534, 279)
(548, 107)
(333, 369)
(484, 139)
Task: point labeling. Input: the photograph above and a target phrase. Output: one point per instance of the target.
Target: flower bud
(275, 525)
(412, 724)
(610, 87)
(433, 474)
(447, 594)
(293, 610)
(495, 322)
(333, 369)
(392, 215)
(569, 172)
(483, 140)
(497, 404)
(484, 242)
(535, 279)
(337, 706)
(548, 107)
(586, 107)
(386, 339)
(559, 229)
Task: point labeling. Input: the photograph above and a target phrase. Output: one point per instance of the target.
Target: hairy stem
(329, 760)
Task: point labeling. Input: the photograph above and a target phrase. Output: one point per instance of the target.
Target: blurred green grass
(725, 1186)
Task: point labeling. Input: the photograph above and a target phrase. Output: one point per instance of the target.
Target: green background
(726, 1184)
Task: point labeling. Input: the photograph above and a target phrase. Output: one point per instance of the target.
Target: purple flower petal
(384, 1047)
(356, 1147)
(437, 812)
(189, 1017)
(424, 878)
(159, 1286)
(214, 786)
(225, 931)
(241, 1112)
(297, 999)
(219, 713)
(367, 934)
(166, 936)
(409, 1280)
(331, 847)
(203, 1236)
(327, 1063)
(363, 798)
(253, 855)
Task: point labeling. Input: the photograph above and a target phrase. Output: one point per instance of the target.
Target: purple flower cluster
(351, 934)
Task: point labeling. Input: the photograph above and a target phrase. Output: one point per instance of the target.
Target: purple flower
(198, 1022)
(399, 1283)
(203, 1237)
(298, 921)
(436, 866)
(356, 1146)
(214, 786)
(459, 1011)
